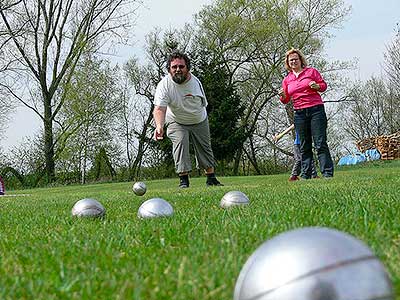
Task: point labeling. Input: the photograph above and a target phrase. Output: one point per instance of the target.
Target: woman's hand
(314, 85)
(282, 92)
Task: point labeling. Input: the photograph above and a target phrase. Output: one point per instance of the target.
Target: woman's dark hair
(177, 54)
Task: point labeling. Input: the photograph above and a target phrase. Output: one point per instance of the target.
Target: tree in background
(374, 108)
(224, 110)
(6, 110)
(42, 42)
(392, 68)
(23, 161)
(87, 119)
(135, 127)
(365, 115)
(250, 38)
(5, 103)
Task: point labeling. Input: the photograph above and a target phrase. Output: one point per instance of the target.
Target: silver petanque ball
(139, 188)
(88, 208)
(234, 198)
(155, 207)
(313, 263)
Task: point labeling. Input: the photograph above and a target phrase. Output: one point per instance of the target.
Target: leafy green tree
(102, 165)
(224, 108)
(43, 40)
(88, 116)
(27, 160)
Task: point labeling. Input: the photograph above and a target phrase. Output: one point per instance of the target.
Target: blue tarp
(352, 159)
(358, 157)
(372, 154)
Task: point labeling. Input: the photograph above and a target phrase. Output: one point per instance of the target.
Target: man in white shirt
(180, 103)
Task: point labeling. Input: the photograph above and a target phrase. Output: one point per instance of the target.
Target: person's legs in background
(319, 126)
(302, 125)
(297, 163)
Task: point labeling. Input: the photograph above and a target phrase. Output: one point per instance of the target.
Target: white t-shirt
(186, 103)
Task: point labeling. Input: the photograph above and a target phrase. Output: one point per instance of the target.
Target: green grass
(196, 254)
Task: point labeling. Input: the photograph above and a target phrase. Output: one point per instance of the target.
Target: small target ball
(139, 188)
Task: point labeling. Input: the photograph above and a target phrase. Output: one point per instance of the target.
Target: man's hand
(159, 118)
(159, 133)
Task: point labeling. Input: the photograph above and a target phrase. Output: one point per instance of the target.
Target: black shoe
(184, 181)
(212, 180)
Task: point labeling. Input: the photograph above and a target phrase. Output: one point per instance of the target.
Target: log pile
(366, 144)
(387, 145)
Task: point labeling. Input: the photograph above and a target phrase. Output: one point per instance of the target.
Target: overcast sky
(369, 28)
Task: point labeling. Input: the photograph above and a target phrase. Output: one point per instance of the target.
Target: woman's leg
(318, 126)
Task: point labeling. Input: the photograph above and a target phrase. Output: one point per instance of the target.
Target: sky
(364, 35)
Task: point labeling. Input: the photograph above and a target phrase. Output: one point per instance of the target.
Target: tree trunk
(252, 157)
(143, 143)
(48, 140)
(237, 161)
(137, 163)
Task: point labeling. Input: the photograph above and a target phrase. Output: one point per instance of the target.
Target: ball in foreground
(139, 188)
(88, 208)
(234, 198)
(313, 263)
(155, 207)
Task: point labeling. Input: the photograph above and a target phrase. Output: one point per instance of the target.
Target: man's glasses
(178, 66)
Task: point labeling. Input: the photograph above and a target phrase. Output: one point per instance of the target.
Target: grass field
(196, 254)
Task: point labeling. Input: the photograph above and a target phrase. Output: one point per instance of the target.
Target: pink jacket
(2, 189)
(298, 90)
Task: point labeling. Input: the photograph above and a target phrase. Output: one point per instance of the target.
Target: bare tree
(42, 41)
(365, 116)
(392, 68)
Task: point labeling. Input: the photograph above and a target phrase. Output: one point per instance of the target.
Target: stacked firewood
(387, 145)
(366, 144)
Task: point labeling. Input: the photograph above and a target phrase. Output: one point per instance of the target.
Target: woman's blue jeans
(311, 124)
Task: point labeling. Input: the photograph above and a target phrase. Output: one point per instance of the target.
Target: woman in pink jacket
(2, 189)
(303, 86)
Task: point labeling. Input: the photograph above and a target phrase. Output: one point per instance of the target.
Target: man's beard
(179, 78)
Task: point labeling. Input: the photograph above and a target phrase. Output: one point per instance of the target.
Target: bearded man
(180, 106)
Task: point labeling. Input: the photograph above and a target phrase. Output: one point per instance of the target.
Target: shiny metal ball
(139, 188)
(88, 208)
(155, 207)
(313, 263)
(234, 198)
